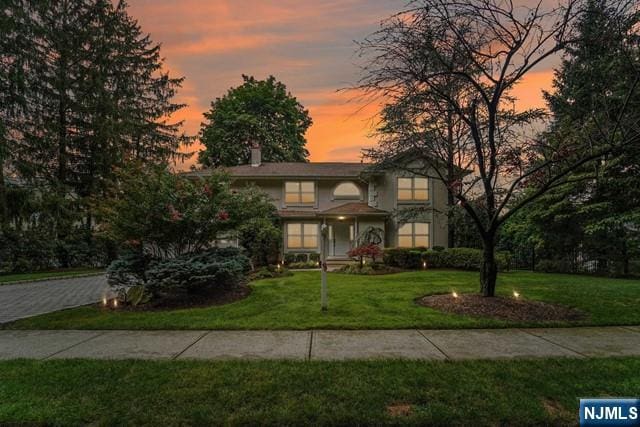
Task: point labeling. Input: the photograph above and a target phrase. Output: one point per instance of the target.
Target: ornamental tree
(165, 214)
(368, 250)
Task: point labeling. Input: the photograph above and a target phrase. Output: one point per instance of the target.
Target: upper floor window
(346, 190)
(414, 189)
(413, 235)
(300, 192)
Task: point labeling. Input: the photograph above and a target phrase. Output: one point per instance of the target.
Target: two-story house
(348, 197)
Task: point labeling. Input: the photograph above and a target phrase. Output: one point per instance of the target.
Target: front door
(340, 235)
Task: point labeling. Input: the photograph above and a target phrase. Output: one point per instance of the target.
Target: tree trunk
(4, 211)
(489, 269)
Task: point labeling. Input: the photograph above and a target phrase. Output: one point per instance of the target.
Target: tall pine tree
(96, 96)
(599, 215)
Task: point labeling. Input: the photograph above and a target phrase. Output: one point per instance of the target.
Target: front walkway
(323, 344)
(30, 299)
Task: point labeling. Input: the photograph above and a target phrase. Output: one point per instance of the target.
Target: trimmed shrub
(403, 258)
(301, 258)
(367, 269)
(306, 264)
(459, 258)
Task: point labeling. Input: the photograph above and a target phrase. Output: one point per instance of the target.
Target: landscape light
(424, 264)
(454, 294)
(115, 303)
(516, 294)
(104, 301)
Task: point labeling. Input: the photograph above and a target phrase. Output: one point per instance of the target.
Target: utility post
(324, 248)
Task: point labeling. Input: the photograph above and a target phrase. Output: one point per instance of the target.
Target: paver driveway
(29, 299)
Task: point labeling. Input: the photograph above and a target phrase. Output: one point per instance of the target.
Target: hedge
(459, 258)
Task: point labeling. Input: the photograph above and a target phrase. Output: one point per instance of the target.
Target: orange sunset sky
(306, 44)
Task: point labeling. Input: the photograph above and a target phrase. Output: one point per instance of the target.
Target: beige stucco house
(348, 197)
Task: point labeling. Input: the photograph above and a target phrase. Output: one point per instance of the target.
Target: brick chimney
(256, 155)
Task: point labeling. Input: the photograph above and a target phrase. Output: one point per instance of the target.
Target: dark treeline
(82, 94)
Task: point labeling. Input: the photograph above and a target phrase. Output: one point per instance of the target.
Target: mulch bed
(219, 297)
(501, 308)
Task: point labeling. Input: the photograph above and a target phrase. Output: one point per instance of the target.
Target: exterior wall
(365, 222)
(379, 192)
(324, 192)
(386, 187)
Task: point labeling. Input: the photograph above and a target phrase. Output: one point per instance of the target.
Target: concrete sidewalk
(323, 344)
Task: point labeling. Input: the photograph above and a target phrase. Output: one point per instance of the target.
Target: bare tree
(461, 60)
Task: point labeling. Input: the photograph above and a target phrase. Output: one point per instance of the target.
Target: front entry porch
(342, 234)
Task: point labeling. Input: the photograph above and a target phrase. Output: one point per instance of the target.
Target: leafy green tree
(92, 93)
(257, 112)
(262, 239)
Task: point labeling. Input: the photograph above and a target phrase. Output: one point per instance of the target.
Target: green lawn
(81, 392)
(365, 302)
(9, 278)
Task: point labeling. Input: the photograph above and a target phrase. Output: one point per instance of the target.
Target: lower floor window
(302, 235)
(413, 235)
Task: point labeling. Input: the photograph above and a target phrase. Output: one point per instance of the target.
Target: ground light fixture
(424, 264)
(454, 294)
(516, 294)
(115, 303)
(105, 301)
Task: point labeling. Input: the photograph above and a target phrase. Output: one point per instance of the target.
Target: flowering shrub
(169, 214)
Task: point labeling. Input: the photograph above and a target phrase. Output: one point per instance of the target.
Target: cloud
(307, 44)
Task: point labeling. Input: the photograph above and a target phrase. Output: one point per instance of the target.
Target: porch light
(454, 294)
(516, 294)
(342, 217)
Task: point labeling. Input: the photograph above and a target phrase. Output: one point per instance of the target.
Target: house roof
(354, 209)
(293, 169)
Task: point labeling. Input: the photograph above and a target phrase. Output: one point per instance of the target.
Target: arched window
(346, 190)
